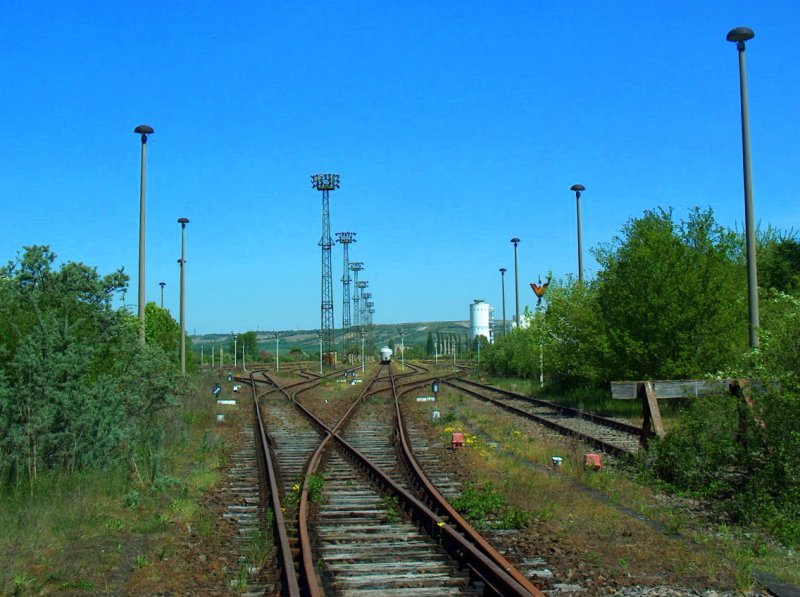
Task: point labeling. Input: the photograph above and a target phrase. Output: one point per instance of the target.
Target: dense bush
(77, 388)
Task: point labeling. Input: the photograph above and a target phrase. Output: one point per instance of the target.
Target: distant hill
(415, 334)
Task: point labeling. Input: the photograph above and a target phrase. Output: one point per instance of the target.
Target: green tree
(671, 297)
(249, 343)
(77, 388)
(162, 330)
(574, 334)
(779, 261)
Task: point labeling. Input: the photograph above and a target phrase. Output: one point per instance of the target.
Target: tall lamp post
(277, 351)
(235, 349)
(162, 284)
(402, 350)
(142, 130)
(578, 188)
(362, 352)
(503, 287)
(515, 240)
(182, 222)
(741, 35)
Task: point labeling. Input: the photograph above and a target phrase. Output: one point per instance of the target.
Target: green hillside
(377, 335)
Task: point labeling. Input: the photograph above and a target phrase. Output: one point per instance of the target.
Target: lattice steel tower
(360, 286)
(326, 183)
(344, 239)
(367, 304)
(356, 267)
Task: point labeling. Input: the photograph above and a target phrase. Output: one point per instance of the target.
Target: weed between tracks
(576, 517)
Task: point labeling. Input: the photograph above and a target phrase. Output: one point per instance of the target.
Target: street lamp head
(162, 284)
(740, 34)
(577, 188)
(503, 271)
(183, 222)
(515, 240)
(144, 130)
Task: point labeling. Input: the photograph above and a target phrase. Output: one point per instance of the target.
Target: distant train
(386, 355)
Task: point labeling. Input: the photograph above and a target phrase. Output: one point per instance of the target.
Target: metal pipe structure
(740, 35)
(578, 188)
(142, 130)
(182, 260)
(162, 284)
(503, 287)
(515, 240)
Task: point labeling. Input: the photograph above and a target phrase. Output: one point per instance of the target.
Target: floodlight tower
(365, 296)
(371, 311)
(326, 183)
(344, 239)
(356, 267)
(362, 314)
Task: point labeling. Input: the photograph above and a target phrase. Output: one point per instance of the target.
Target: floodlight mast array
(326, 183)
(344, 239)
(367, 306)
(356, 267)
(359, 309)
(364, 296)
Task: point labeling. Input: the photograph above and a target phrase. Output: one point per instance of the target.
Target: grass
(589, 509)
(74, 528)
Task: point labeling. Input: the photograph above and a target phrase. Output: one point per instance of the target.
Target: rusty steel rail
(567, 410)
(496, 578)
(598, 443)
(281, 538)
(438, 502)
(308, 570)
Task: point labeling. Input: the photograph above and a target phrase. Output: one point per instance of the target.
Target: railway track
(376, 531)
(613, 437)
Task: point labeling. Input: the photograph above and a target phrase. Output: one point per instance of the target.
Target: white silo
(480, 320)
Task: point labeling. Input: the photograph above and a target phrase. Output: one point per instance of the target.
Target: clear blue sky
(454, 126)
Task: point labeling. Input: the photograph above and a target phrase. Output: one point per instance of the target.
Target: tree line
(670, 302)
